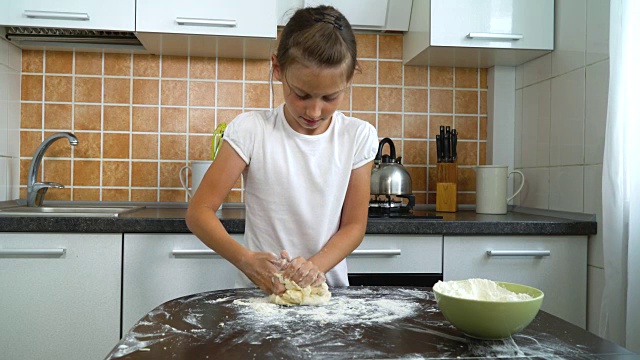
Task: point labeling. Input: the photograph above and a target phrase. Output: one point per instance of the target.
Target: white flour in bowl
(478, 289)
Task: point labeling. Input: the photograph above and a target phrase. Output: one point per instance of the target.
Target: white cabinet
(117, 15)
(161, 267)
(387, 15)
(478, 32)
(557, 265)
(397, 254)
(60, 295)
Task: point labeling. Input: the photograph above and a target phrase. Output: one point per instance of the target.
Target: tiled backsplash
(140, 118)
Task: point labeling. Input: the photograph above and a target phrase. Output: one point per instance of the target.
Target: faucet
(36, 190)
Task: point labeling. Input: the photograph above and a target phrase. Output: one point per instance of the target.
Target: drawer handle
(206, 22)
(33, 252)
(381, 252)
(203, 252)
(494, 36)
(519, 252)
(56, 15)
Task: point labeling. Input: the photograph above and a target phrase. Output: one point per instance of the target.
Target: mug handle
(521, 183)
(184, 180)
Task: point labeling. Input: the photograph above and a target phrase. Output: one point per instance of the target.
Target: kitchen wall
(140, 118)
(561, 109)
(10, 67)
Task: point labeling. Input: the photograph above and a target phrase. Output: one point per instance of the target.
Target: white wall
(10, 68)
(561, 109)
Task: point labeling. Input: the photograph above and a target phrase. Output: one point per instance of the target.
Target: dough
(296, 295)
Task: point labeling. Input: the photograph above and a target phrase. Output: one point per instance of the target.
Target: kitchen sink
(77, 211)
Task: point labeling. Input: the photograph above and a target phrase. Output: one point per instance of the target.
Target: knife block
(447, 187)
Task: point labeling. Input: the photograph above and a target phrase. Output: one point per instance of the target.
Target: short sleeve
(366, 145)
(241, 135)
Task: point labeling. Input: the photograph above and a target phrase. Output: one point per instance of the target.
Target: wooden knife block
(447, 187)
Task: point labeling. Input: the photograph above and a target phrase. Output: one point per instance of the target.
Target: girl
(306, 167)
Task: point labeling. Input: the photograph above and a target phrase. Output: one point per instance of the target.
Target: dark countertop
(358, 322)
(169, 218)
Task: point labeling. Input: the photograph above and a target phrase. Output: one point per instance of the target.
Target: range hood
(38, 37)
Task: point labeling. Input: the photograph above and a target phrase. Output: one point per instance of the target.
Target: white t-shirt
(295, 184)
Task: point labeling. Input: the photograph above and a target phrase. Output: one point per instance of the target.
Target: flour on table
(296, 295)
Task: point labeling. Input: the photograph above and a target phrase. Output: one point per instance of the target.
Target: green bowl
(491, 320)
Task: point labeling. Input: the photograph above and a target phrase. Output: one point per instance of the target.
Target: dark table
(358, 322)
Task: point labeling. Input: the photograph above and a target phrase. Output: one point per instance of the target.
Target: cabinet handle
(206, 22)
(382, 252)
(204, 252)
(495, 36)
(56, 15)
(33, 252)
(519, 252)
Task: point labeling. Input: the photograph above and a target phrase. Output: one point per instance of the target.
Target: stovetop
(402, 213)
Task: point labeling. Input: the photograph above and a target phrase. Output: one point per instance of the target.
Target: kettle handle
(392, 148)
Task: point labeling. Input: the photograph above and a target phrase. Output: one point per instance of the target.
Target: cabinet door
(557, 265)
(252, 18)
(117, 15)
(397, 254)
(162, 267)
(512, 24)
(60, 295)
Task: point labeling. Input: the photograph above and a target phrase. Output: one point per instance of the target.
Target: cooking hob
(395, 213)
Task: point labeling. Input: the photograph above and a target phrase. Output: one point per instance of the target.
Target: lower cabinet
(557, 265)
(397, 254)
(59, 295)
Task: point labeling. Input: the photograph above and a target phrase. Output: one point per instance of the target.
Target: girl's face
(311, 95)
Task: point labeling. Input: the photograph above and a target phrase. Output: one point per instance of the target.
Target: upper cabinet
(116, 15)
(378, 15)
(478, 33)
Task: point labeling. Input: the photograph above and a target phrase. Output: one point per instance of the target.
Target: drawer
(397, 254)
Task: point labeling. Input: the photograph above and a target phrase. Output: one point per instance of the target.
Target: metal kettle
(388, 176)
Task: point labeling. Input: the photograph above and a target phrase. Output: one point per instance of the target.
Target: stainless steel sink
(77, 211)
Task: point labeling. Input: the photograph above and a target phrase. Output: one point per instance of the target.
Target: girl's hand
(302, 271)
(260, 267)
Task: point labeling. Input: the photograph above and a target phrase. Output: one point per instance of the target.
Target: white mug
(491, 188)
(198, 169)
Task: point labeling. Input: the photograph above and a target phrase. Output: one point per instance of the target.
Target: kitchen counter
(358, 322)
(170, 218)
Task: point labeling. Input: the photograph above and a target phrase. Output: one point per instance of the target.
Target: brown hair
(319, 36)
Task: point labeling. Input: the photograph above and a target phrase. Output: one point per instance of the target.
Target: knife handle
(454, 145)
(438, 148)
(447, 147)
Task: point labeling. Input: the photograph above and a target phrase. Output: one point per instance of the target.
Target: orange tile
(145, 91)
(59, 62)
(390, 73)
(441, 101)
(86, 194)
(483, 79)
(415, 152)
(86, 173)
(467, 127)
(60, 148)
(117, 64)
(32, 61)
(58, 88)
(170, 174)
(345, 103)
(416, 76)
(115, 146)
(257, 70)
(24, 170)
(227, 116)
(57, 116)
(433, 157)
(202, 68)
(202, 120)
(256, 96)
(421, 198)
(363, 98)
(390, 125)
(31, 87)
(390, 99)
(173, 147)
(466, 199)
(367, 73)
(390, 47)
(440, 76)
(418, 177)
(144, 174)
(435, 121)
(115, 173)
(115, 194)
(144, 195)
(367, 45)
(144, 146)
(368, 117)
(144, 118)
(199, 147)
(467, 153)
(173, 120)
(416, 100)
(23, 193)
(432, 174)
(174, 66)
(202, 93)
(31, 116)
(57, 171)
(88, 63)
(116, 118)
(416, 126)
(173, 195)
(483, 128)
(59, 194)
(229, 69)
(87, 117)
(29, 142)
(229, 94)
(117, 91)
(483, 102)
(174, 92)
(483, 154)
(466, 102)
(89, 144)
(88, 89)
(466, 179)
(146, 65)
(466, 78)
